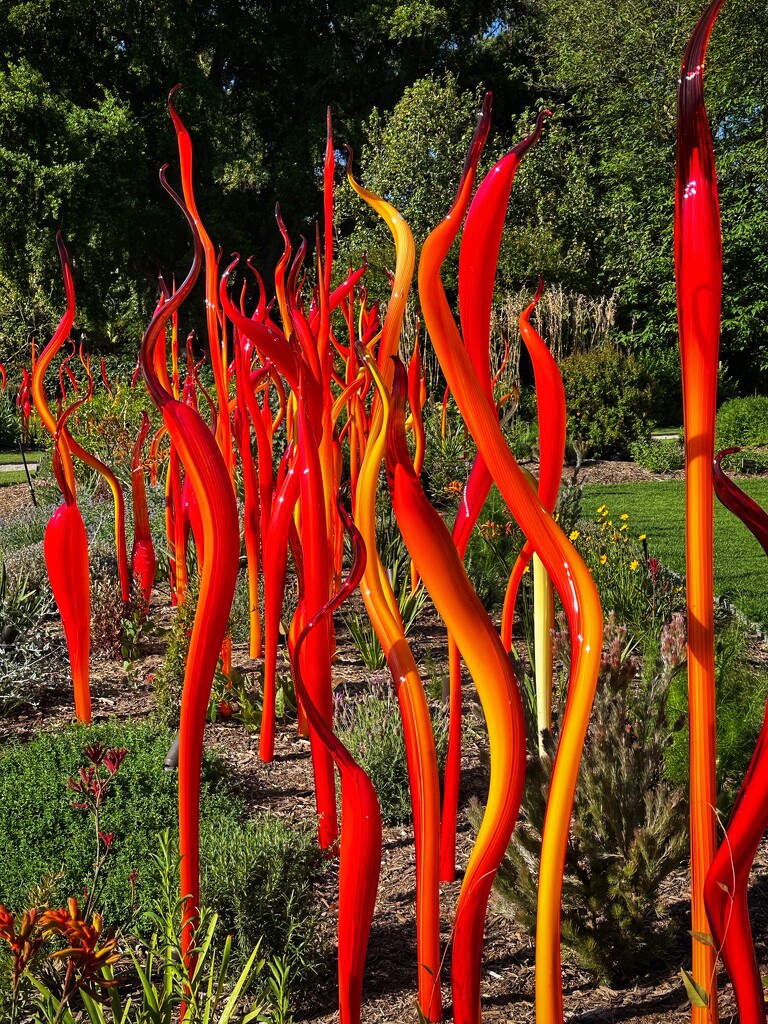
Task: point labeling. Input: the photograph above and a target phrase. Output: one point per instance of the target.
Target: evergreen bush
(630, 826)
(607, 396)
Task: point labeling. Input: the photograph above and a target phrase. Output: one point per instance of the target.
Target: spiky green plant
(629, 829)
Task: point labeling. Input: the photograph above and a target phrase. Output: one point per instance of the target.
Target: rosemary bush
(629, 827)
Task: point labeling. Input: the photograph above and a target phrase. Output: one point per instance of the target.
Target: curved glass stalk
(65, 547)
(360, 854)
(725, 886)
(220, 540)
(417, 725)
(143, 560)
(443, 574)
(563, 563)
(216, 337)
(478, 258)
(699, 278)
(46, 356)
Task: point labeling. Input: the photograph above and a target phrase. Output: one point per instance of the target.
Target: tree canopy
(83, 131)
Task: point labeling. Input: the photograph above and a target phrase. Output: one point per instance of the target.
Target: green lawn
(15, 476)
(11, 458)
(658, 509)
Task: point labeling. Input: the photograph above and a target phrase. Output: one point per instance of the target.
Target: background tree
(81, 138)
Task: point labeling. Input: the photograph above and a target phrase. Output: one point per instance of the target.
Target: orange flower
(83, 951)
(24, 943)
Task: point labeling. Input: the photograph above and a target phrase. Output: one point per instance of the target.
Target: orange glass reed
(442, 573)
(725, 887)
(478, 257)
(143, 561)
(699, 276)
(382, 609)
(360, 853)
(417, 725)
(219, 539)
(566, 568)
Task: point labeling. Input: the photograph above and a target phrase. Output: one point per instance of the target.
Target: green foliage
(239, 617)
(629, 829)
(612, 67)
(741, 693)
(169, 680)
(447, 457)
(22, 528)
(83, 152)
(522, 438)
(158, 974)
(41, 833)
(9, 421)
(743, 422)
(107, 425)
(364, 639)
(746, 461)
(492, 549)
(368, 723)
(116, 627)
(21, 605)
(412, 156)
(29, 655)
(261, 878)
(607, 395)
(410, 602)
(659, 455)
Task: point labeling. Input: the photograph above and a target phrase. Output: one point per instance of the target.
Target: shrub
(41, 834)
(629, 828)
(447, 458)
(748, 460)
(522, 437)
(741, 694)
(743, 422)
(116, 627)
(492, 549)
(169, 681)
(607, 396)
(108, 424)
(260, 878)
(659, 456)
(663, 368)
(30, 654)
(23, 527)
(9, 421)
(52, 981)
(368, 723)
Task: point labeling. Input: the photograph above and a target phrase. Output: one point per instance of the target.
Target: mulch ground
(285, 787)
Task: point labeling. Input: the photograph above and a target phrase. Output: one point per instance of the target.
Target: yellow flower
(610, 522)
(624, 515)
(634, 564)
(601, 510)
(526, 569)
(642, 536)
(574, 535)
(603, 559)
(623, 526)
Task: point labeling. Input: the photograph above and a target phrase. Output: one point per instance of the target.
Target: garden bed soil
(615, 471)
(285, 787)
